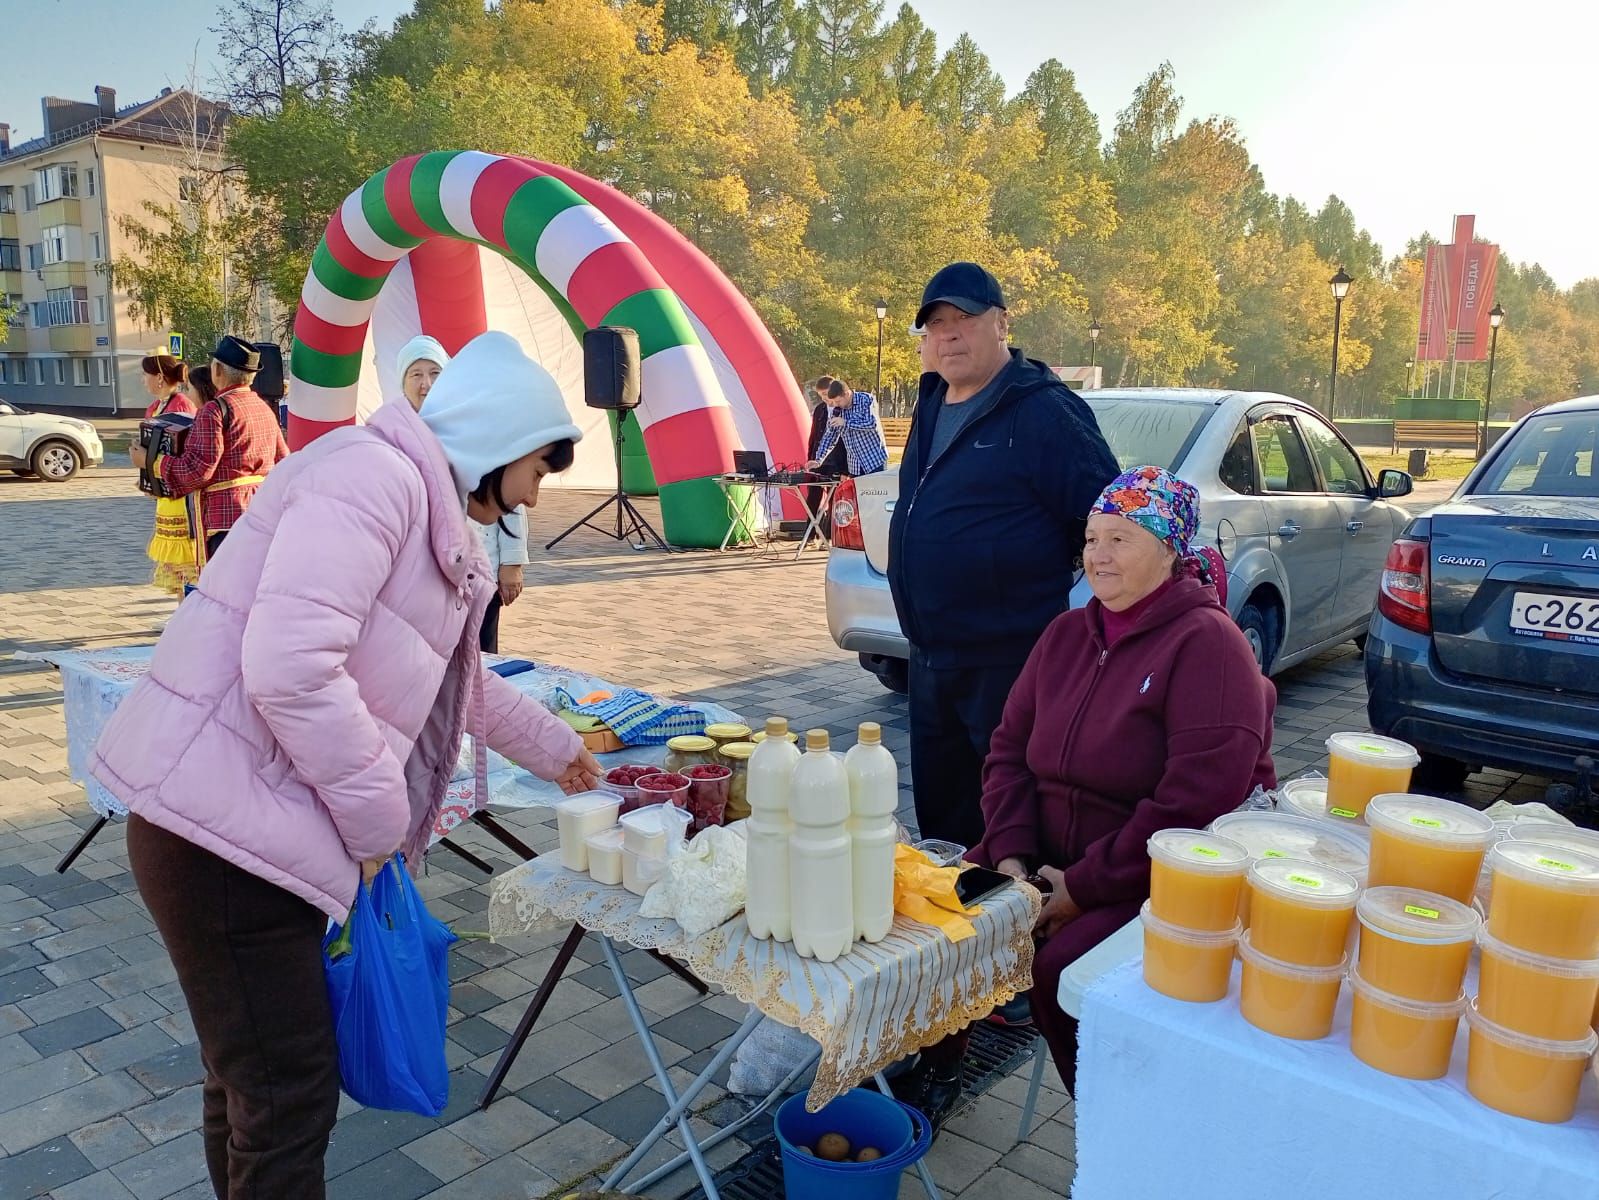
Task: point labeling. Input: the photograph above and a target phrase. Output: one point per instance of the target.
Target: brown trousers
(248, 956)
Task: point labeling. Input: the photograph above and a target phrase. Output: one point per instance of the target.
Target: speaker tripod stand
(630, 523)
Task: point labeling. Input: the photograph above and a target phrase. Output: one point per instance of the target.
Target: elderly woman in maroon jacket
(1143, 710)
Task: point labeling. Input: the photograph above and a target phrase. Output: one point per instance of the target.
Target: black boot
(940, 1093)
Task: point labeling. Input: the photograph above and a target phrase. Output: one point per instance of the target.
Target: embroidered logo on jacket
(1148, 679)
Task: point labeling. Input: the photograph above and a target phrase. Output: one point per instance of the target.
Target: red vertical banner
(1432, 341)
(1479, 268)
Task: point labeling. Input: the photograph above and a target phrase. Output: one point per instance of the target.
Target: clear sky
(1410, 110)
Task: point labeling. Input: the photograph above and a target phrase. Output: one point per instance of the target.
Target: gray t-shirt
(952, 419)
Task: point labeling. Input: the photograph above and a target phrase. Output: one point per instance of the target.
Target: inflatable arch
(453, 243)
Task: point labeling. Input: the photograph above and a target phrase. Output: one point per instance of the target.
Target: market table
(1190, 1100)
(95, 682)
(739, 521)
(867, 1010)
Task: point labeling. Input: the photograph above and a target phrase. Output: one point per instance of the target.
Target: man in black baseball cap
(965, 285)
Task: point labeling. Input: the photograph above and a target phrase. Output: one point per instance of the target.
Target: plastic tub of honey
(1535, 994)
(1545, 899)
(1288, 1000)
(1196, 879)
(1186, 965)
(1413, 944)
(1407, 1038)
(1267, 833)
(1552, 833)
(1301, 912)
(1308, 798)
(1427, 843)
(1361, 766)
(1525, 1076)
(605, 855)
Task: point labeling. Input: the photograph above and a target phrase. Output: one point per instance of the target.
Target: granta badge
(1455, 560)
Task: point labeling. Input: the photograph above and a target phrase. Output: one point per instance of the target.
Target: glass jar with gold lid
(726, 734)
(736, 755)
(690, 750)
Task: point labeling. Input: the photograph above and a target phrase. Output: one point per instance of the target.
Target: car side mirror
(1392, 484)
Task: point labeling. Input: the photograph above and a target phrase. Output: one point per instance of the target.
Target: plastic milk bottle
(771, 773)
(873, 797)
(819, 868)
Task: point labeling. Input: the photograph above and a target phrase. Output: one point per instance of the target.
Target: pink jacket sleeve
(334, 549)
(526, 732)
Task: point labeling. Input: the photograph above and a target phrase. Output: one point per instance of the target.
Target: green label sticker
(1556, 864)
(1417, 911)
(1274, 854)
(1344, 812)
(1205, 852)
(1426, 822)
(1369, 748)
(1305, 881)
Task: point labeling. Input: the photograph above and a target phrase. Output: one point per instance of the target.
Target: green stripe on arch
(340, 280)
(531, 208)
(324, 370)
(658, 316)
(427, 178)
(376, 210)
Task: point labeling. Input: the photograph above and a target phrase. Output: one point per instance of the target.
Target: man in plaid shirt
(234, 441)
(854, 419)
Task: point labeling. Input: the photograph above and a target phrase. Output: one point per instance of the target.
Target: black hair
(837, 390)
(557, 455)
(823, 382)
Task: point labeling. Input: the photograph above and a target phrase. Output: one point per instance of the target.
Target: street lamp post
(1340, 288)
(882, 315)
(1094, 330)
(1410, 377)
(1496, 318)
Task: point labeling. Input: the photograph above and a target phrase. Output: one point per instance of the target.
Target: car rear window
(1141, 431)
(1548, 456)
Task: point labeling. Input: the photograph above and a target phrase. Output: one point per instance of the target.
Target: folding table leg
(82, 844)
(504, 836)
(463, 853)
(535, 1007)
(1040, 1061)
(922, 1172)
(682, 972)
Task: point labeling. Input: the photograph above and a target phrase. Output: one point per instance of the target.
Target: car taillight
(847, 533)
(1405, 595)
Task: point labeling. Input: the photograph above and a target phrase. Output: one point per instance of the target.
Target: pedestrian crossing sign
(175, 345)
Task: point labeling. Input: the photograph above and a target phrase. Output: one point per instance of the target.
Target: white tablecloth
(94, 682)
(1191, 1101)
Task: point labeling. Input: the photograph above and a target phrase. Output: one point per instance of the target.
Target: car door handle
(1289, 531)
(1355, 526)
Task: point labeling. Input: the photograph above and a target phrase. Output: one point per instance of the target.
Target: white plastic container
(576, 818)
(771, 777)
(873, 797)
(605, 856)
(652, 832)
(820, 868)
(640, 871)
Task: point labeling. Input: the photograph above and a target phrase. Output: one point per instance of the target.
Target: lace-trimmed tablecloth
(94, 682)
(866, 1010)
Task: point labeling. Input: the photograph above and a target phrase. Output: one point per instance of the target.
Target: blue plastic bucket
(901, 1133)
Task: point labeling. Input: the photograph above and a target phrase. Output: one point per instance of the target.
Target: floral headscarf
(1156, 499)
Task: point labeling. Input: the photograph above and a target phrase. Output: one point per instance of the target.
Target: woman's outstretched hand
(1059, 907)
(581, 775)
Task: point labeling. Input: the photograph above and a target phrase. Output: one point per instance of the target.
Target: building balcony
(8, 224)
(11, 283)
(72, 338)
(64, 210)
(66, 274)
(13, 339)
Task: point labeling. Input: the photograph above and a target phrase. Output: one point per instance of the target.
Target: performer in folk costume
(234, 442)
(172, 547)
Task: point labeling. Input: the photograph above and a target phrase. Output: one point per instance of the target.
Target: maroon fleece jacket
(1100, 747)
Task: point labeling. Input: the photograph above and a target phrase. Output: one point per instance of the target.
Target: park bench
(1435, 435)
(895, 431)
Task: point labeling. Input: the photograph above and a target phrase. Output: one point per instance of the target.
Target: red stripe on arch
(303, 431)
(607, 277)
(696, 444)
(397, 197)
(495, 186)
(326, 337)
(347, 254)
(449, 291)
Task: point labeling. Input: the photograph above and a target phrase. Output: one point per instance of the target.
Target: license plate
(1560, 618)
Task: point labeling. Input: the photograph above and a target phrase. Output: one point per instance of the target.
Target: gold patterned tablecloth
(866, 1010)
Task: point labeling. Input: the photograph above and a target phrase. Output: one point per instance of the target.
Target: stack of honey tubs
(1191, 924)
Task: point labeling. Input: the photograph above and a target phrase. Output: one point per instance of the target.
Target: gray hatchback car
(1484, 647)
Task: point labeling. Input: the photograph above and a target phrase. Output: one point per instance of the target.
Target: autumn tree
(270, 50)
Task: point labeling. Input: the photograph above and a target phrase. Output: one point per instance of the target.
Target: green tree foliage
(826, 155)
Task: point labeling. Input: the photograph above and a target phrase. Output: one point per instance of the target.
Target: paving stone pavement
(100, 1099)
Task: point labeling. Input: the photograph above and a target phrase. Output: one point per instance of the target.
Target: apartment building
(73, 345)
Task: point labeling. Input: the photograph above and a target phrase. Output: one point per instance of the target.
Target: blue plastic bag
(389, 987)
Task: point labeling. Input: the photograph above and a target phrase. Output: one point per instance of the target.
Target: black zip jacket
(986, 538)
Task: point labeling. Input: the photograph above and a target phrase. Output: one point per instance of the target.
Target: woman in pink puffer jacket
(302, 716)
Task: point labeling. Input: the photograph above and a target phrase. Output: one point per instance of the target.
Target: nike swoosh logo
(984, 445)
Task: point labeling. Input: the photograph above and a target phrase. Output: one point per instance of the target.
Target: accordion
(161, 435)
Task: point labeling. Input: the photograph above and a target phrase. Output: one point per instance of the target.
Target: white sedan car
(1302, 524)
(52, 448)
